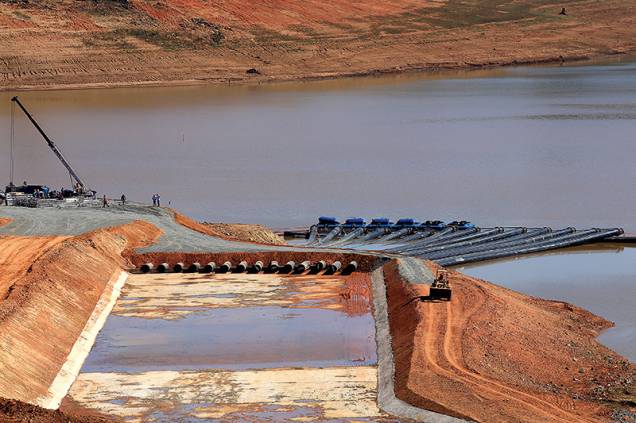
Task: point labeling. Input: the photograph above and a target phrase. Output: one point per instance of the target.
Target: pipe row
(290, 267)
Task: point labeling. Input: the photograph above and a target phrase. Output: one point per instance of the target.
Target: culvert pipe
(256, 267)
(210, 267)
(163, 268)
(273, 267)
(225, 267)
(333, 268)
(178, 267)
(350, 268)
(241, 268)
(194, 267)
(288, 267)
(318, 267)
(302, 267)
(146, 267)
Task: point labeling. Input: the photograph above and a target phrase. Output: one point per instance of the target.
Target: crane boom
(51, 145)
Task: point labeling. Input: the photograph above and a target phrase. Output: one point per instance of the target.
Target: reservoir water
(533, 146)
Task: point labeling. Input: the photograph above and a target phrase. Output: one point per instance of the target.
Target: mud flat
(235, 347)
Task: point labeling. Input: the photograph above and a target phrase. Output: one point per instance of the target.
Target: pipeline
(438, 236)
(531, 235)
(333, 268)
(350, 268)
(351, 235)
(273, 267)
(194, 268)
(242, 267)
(516, 242)
(565, 241)
(209, 268)
(331, 235)
(288, 267)
(163, 268)
(393, 235)
(177, 268)
(302, 267)
(418, 235)
(225, 267)
(256, 267)
(475, 239)
(147, 267)
(317, 267)
(313, 235)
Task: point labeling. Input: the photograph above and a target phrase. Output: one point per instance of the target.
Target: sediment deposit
(52, 44)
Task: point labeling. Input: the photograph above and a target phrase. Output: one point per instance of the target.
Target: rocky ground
(52, 44)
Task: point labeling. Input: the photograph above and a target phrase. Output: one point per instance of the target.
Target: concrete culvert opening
(209, 268)
(333, 268)
(225, 267)
(273, 267)
(288, 267)
(241, 267)
(146, 267)
(194, 267)
(163, 268)
(178, 267)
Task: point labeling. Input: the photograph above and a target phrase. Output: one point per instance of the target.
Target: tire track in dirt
(450, 353)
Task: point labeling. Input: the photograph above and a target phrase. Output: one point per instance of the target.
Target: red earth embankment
(67, 43)
(54, 292)
(492, 354)
(231, 231)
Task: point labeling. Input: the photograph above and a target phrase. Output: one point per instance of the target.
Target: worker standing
(158, 200)
(123, 199)
(105, 202)
(154, 199)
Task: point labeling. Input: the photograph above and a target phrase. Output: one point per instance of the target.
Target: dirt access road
(53, 44)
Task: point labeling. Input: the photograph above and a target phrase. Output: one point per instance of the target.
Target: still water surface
(535, 146)
(530, 146)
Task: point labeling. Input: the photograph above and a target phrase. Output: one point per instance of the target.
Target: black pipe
(242, 267)
(317, 267)
(273, 267)
(177, 268)
(256, 267)
(209, 268)
(163, 268)
(147, 267)
(225, 267)
(288, 267)
(333, 268)
(350, 268)
(194, 268)
(302, 267)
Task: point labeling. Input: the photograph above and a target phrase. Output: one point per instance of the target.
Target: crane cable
(12, 140)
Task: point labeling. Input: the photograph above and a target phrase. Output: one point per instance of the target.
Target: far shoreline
(424, 70)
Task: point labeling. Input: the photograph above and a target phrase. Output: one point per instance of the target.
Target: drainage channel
(236, 347)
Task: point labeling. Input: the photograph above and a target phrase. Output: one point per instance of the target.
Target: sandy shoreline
(432, 69)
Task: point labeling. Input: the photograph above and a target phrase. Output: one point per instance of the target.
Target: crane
(74, 177)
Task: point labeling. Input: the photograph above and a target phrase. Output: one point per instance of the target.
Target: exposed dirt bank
(46, 308)
(492, 354)
(4, 220)
(54, 44)
(232, 231)
(20, 412)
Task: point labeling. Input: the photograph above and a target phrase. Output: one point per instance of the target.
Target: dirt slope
(50, 299)
(232, 231)
(495, 355)
(54, 43)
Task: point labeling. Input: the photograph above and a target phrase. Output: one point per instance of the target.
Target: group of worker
(156, 200)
